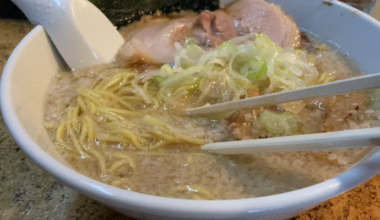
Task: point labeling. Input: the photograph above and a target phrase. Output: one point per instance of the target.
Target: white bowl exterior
(32, 66)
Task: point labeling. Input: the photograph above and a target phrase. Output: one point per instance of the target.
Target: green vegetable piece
(254, 69)
(375, 97)
(190, 41)
(187, 87)
(267, 49)
(166, 70)
(158, 80)
(214, 85)
(246, 84)
(228, 47)
(193, 53)
(279, 124)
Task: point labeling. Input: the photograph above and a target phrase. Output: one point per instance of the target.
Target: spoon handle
(82, 34)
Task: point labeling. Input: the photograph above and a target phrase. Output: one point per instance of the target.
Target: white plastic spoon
(80, 31)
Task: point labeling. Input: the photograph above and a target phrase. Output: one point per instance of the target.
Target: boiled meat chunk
(155, 43)
(259, 16)
(217, 27)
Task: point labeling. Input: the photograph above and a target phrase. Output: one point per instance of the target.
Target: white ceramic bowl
(34, 62)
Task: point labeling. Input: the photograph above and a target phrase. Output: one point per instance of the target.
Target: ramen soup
(125, 123)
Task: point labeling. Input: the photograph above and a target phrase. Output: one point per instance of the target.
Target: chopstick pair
(320, 141)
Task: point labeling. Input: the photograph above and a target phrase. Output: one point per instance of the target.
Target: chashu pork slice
(259, 16)
(155, 43)
(217, 27)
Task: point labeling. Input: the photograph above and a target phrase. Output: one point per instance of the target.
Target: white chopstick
(369, 81)
(309, 142)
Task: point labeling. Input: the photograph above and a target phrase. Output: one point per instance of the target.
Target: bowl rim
(120, 198)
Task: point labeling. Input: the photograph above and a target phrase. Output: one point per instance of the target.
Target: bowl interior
(33, 64)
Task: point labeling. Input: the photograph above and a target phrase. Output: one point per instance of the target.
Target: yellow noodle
(133, 98)
(122, 162)
(120, 183)
(108, 117)
(74, 118)
(51, 125)
(156, 104)
(100, 158)
(116, 182)
(94, 83)
(145, 111)
(127, 76)
(83, 133)
(193, 140)
(81, 104)
(115, 88)
(111, 95)
(191, 188)
(128, 134)
(91, 106)
(119, 155)
(158, 145)
(124, 112)
(111, 139)
(88, 94)
(74, 140)
(107, 80)
(146, 135)
(142, 139)
(110, 83)
(126, 89)
(113, 125)
(164, 135)
(60, 132)
(166, 130)
(118, 124)
(111, 115)
(90, 127)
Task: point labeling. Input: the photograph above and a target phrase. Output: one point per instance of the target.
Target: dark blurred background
(122, 12)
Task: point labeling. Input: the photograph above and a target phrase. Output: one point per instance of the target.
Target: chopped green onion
(254, 69)
(192, 55)
(187, 87)
(214, 85)
(159, 80)
(228, 47)
(375, 97)
(246, 84)
(266, 48)
(166, 70)
(279, 124)
(190, 41)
